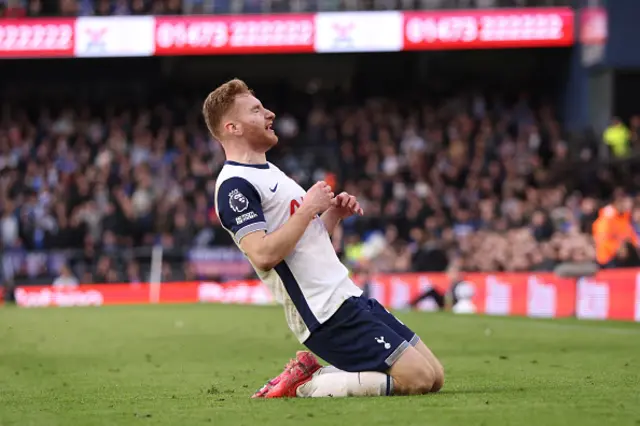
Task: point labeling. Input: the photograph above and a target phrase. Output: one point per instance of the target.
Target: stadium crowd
(479, 182)
(42, 8)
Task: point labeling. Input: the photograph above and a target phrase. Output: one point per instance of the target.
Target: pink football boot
(297, 372)
(267, 387)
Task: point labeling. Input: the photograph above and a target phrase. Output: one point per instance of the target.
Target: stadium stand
(486, 180)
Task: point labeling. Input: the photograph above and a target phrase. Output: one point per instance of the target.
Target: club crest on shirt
(237, 201)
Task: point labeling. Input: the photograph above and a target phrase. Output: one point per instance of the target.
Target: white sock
(339, 384)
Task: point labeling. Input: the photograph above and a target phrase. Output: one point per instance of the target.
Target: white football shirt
(311, 283)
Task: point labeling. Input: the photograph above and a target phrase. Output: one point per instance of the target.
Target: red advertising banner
(611, 294)
(84, 295)
(241, 292)
(522, 294)
(535, 295)
(30, 38)
(482, 29)
(203, 35)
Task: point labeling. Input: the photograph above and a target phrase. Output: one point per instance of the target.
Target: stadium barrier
(381, 31)
(610, 294)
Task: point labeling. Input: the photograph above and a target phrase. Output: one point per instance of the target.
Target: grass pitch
(198, 364)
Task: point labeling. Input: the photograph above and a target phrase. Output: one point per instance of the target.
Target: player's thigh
(403, 330)
(394, 323)
(409, 335)
(412, 374)
(355, 340)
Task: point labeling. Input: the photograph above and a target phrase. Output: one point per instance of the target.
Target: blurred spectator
(66, 278)
(70, 8)
(626, 256)
(427, 252)
(9, 227)
(617, 138)
(133, 274)
(588, 214)
(615, 237)
(13, 9)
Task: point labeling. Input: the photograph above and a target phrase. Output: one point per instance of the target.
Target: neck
(246, 156)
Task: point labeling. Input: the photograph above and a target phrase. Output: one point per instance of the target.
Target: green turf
(198, 364)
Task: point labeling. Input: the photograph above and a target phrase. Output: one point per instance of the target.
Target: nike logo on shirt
(274, 188)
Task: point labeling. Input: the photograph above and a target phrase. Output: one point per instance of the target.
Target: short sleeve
(240, 208)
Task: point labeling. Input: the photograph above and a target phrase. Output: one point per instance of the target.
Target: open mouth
(269, 127)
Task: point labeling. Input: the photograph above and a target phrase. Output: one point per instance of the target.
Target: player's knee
(422, 380)
(414, 374)
(438, 381)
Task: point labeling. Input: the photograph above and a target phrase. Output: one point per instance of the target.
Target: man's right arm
(240, 210)
(267, 250)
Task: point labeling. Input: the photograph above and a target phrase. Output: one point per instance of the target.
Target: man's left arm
(344, 205)
(331, 219)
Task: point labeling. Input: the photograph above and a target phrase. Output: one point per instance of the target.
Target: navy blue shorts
(361, 336)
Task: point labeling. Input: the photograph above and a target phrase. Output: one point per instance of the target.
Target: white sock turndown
(328, 369)
(332, 382)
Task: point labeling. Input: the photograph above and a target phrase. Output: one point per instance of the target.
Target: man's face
(622, 202)
(253, 122)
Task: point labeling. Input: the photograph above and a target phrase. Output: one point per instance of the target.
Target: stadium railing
(117, 265)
